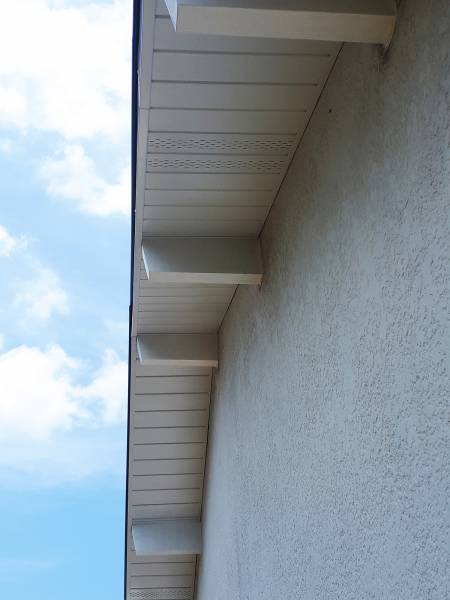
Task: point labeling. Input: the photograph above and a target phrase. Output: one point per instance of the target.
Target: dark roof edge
(134, 125)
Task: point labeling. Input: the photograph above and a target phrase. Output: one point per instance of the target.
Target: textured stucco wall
(329, 449)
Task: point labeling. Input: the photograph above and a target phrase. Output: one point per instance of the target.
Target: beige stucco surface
(329, 446)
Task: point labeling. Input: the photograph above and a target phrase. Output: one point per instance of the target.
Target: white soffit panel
(219, 119)
(225, 117)
(160, 577)
(168, 430)
(180, 308)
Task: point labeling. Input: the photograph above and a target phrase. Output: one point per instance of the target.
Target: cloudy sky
(65, 83)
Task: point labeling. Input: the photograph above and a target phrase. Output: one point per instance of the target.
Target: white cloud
(40, 296)
(69, 69)
(69, 73)
(54, 428)
(37, 296)
(109, 386)
(37, 393)
(6, 145)
(72, 175)
(12, 107)
(10, 244)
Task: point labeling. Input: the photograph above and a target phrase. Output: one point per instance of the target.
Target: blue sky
(64, 276)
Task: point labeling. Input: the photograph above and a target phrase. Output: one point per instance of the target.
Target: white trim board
(202, 260)
(366, 21)
(179, 350)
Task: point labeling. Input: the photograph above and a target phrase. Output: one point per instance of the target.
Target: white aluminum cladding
(219, 119)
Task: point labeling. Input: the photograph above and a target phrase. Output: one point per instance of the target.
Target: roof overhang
(216, 122)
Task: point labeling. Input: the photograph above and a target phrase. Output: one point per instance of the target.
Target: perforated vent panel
(161, 594)
(212, 165)
(220, 144)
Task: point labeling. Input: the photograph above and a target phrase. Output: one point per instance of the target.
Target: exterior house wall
(329, 446)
